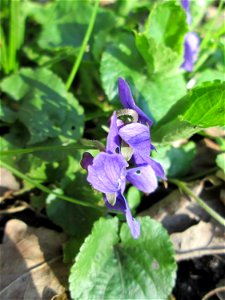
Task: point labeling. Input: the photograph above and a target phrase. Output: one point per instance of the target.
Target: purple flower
(109, 174)
(109, 171)
(186, 6)
(128, 102)
(191, 43)
(87, 160)
(137, 136)
(191, 46)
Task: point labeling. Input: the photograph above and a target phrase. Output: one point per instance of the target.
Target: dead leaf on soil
(193, 231)
(31, 262)
(215, 132)
(18, 206)
(221, 294)
(8, 183)
(198, 240)
(205, 158)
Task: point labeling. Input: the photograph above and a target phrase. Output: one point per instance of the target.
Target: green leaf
(202, 107)
(74, 219)
(210, 75)
(155, 95)
(175, 161)
(133, 197)
(221, 142)
(38, 201)
(65, 24)
(71, 248)
(6, 114)
(167, 24)
(16, 138)
(45, 107)
(132, 269)
(220, 161)
(161, 44)
(127, 8)
(158, 58)
(95, 261)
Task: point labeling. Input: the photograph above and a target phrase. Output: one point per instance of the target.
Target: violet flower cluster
(191, 43)
(126, 158)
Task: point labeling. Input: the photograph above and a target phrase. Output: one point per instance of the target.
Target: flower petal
(144, 178)
(137, 136)
(86, 160)
(108, 173)
(143, 118)
(127, 101)
(158, 169)
(125, 94)
(191, 47)
(156, 166)
(186, 5)
(121, 205)
(113, 140)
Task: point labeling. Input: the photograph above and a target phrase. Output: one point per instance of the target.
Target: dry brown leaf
(193, 231)
(31, 262)
(17, 207)
(198, 240)
(215, 132)
(222, 196)
(221, 294)
(8, 183)
(205, 157)
(220, 174)
(60, 297)
(174, 211)
(212, 145)
(211, 182)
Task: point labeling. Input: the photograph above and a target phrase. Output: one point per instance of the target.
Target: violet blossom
(191, 43)
(109, 171)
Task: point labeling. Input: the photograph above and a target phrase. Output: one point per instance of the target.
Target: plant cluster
(60, 66)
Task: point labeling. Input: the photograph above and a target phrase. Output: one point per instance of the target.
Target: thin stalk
(183, 186)
(47, 190)
(83, 46)
(13, 33)
(205, 41)
(209, 32)
(201, 174)
(45, 148)
(3, 52)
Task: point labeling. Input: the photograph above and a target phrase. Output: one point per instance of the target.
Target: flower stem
(205, 41)
(4, 57)
(47, 190)
(212, 29)
(201, 174)
(47, 148)
(183, 186)
(83, 46)
(13, 34)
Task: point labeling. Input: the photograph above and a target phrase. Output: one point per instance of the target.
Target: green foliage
(7, 114)
(44, 106)
(203, 107)
(109, 268)
(161, 43)
(143, 42)
(175, 161)
(220, 161)
(210, 75)
(133, 197)
(71, 248)
(74, 219)
(155, 95)
(63, 24)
